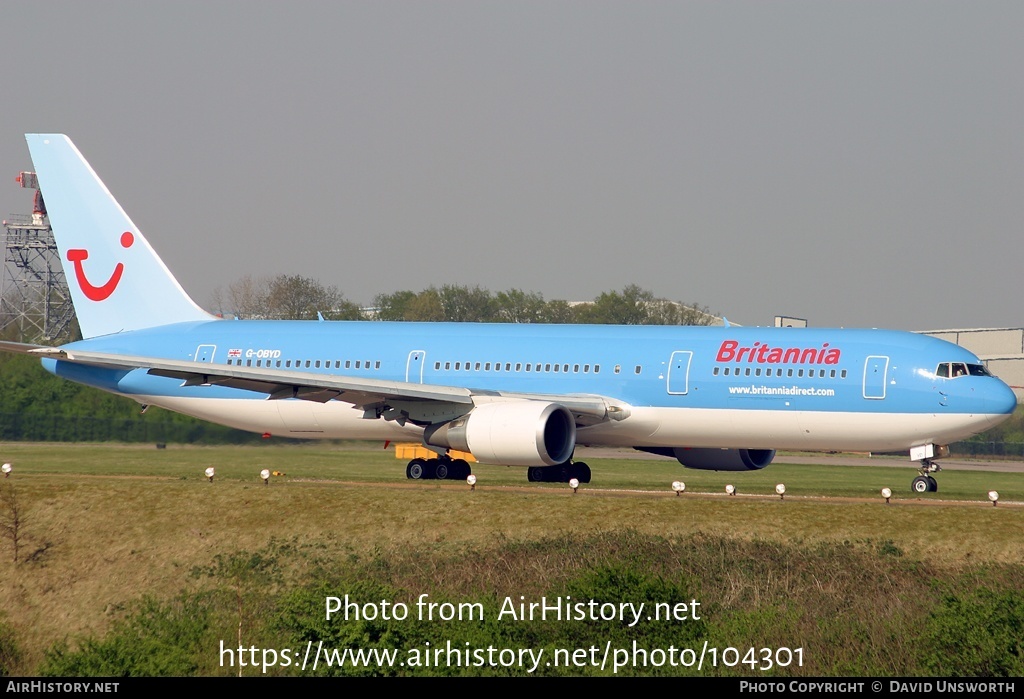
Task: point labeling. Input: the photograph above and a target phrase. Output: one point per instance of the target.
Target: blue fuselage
(809, 381)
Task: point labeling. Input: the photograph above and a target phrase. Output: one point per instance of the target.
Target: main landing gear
(442, 468)
(926, 483)
(562, 473)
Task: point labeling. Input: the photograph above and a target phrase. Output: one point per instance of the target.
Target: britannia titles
(759, 353)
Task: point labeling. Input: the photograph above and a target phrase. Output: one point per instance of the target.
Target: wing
(422, 404)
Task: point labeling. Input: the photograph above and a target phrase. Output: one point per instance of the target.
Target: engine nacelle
(512, 433)
(717, 459)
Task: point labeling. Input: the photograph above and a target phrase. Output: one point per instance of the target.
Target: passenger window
(487, 366)
(477, 367)
(586, 368)
(597, 368)
(726, 371)
(377, 364)
(447, 366)
(457, 365)
(575, 368)
(746, 372)
(714, 372)
(317, 364)
(307, 363)
(842, 374)
(636, 370)
(618, 368)
(437, 366)
(547, 367)
(757, 372)
(348, 363)
(528, 366)
(557, 367)
(519, 366)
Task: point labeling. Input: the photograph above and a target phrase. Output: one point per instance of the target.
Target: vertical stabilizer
(116, 279)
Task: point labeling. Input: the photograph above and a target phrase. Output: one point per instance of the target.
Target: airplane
(719, 398)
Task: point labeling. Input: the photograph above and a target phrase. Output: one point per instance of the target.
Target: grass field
(105, 525)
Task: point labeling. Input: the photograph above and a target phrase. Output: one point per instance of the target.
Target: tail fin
(117, 281)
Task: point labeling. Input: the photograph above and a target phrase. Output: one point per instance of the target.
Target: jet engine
(717, 459)
(513, 433)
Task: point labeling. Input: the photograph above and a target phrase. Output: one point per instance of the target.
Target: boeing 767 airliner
(722, 398)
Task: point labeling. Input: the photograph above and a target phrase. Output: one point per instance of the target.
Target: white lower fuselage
(666, 427)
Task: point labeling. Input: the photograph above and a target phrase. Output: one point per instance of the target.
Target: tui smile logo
(91, 291)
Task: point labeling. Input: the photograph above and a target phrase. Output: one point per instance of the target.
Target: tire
(581, 472)
(460, 469)
(921, 485)
(535, 474)
(416, 470)
(442, 470)
(933, 485)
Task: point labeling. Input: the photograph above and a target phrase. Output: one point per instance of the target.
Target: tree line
(295, 297)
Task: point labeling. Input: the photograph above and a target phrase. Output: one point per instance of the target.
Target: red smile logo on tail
(102, 292)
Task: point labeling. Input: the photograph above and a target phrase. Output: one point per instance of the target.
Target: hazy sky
(854, 163)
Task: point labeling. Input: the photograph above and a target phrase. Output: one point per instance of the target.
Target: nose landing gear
(926, 483)
(925, 453)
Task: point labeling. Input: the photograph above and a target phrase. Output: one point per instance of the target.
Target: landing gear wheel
(581, 472)
(416, 470)
(535, 474)
(460, 469)
(430, 469)
(442, 470)
(933, 485)
(922, 484)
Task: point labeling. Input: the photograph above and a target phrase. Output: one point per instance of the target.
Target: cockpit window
(953, 370)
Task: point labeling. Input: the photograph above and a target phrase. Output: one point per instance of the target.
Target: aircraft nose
(1003, 401)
